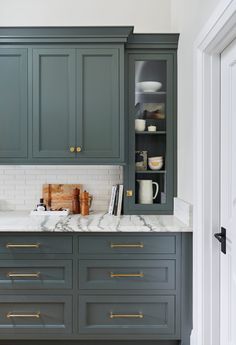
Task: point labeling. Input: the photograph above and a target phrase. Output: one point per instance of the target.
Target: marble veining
(95, 222)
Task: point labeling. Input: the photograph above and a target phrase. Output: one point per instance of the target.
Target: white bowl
(149, 86)
(155, 163)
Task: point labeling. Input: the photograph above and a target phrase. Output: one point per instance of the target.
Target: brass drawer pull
(115, 275)
(126, 316)
(23, 245)
(72, 149)
(78, 149)
(23, 275)
(22, 315)
(127, 245)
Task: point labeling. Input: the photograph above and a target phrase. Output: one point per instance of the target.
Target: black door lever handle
(221, 237)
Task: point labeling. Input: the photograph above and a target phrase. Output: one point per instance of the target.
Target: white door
(228, 196)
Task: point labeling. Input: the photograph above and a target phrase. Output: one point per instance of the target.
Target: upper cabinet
(150, 175)
(77, 105)
(99, 130)
(54, 108)
(75, 96)
(13, 103)
(62, 95)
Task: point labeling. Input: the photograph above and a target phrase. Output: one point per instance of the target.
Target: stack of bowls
(155, 163)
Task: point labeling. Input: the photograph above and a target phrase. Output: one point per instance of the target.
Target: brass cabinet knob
(129, 193)
(78, 149)
(72, 149)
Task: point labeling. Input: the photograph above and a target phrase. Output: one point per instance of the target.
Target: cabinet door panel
(161, 244)
(43, 315)
(30, 244)
(128, 315)
(98, 102)
(53, 102)
(127, 274)
(13, 103)
(35, 274)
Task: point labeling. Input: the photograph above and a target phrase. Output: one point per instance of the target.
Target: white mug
(140, 125)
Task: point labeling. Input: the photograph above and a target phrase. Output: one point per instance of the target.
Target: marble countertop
(14, 221)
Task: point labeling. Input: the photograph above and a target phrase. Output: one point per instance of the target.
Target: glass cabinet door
(151, 122)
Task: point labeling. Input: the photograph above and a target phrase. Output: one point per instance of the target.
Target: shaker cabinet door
(13, 103)
(99, 105)
(53, 102)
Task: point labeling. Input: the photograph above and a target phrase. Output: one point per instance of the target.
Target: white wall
(145, 15)
(188, 17)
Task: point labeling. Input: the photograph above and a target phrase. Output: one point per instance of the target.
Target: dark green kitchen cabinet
(149, 315)
(62, 95)
(77, 109)
(38, 275)
(13, 103)
(99, 107)
(151, 172)
(95, 288)
(53, 102)
(25, 315)
(70, 95)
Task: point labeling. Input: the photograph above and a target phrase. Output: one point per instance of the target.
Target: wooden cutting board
(59, 195)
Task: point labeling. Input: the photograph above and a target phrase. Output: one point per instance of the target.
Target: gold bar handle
(127, 245)
(23, 275)
(115, 275)
(126, 316)
(22, 245)
(22, 315)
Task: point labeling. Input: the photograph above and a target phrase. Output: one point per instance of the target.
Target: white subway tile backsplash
(21, 186)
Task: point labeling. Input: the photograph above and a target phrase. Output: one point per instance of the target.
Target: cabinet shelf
(151, 93)
(150, 133)
(151, 172)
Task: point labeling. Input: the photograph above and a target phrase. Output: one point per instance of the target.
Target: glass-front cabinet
(151, 172)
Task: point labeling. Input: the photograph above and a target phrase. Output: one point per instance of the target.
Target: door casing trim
(216, 35)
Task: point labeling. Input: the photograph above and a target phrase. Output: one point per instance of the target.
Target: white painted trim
(218, 32)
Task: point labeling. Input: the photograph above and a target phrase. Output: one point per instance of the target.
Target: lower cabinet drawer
(127, 314)
(35, 314)
(127, 274)
(35, 274)
(30, 244)
(158, 244)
